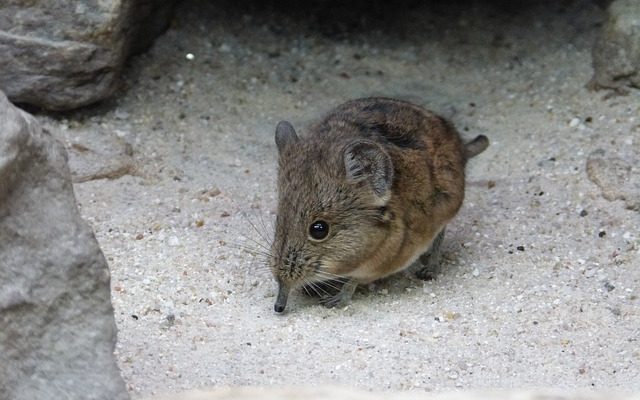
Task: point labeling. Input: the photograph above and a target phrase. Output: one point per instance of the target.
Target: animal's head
(332, 207)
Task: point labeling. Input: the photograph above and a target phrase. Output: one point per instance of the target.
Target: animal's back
(427, 152)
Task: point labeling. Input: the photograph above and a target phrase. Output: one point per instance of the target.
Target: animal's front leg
(343, 297)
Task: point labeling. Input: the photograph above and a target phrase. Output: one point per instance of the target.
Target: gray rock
(97, 154)
(617, 178)
(58, 331)
(60, 54)
(616, 54)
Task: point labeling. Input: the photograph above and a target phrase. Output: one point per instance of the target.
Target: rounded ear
(285, 135)
(368, 161)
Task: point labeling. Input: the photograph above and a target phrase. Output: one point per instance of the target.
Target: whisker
(328, 274)
(315, 287)
(260, 267)
(255, 228)
(264, 241)
(315, 290)
(254, 241)
(330, 285)
(325, 275)
(268, 229)
(261, 245)
(250, 250)
(306, 290)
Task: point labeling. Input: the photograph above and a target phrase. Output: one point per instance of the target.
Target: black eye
(319, 230)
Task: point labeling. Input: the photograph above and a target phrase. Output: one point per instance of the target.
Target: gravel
(533, 292)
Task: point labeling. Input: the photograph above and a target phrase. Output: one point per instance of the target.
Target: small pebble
(120, 133)
(608, 286)
(119, 114)
(520, 248)
(190, 56)
(174, 241)
(584, 213)
(574, 122)
(451, 315)
(476, 272)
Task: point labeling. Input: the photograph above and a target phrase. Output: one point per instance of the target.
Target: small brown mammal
(367, 192)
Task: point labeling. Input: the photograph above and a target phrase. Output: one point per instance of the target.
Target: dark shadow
(467, 29)
(340, 20)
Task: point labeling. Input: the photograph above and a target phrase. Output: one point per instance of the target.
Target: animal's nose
(281, 301)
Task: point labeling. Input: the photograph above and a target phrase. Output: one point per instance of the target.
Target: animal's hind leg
(429, 262)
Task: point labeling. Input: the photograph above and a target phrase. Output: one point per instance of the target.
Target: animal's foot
(427, 273)
(337, 301)
(428, 264)
(342, 298)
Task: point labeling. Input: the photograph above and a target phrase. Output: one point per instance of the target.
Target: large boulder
(616, 54)
(57, 332)
(61, 54)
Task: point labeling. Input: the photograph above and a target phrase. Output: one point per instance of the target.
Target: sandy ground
(541, 274)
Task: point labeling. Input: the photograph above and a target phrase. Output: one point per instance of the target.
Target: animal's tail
(476, 146)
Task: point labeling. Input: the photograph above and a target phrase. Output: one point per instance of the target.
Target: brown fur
(373, 232)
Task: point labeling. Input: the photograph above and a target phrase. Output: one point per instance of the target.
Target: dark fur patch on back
(391, 134)
(380, 107)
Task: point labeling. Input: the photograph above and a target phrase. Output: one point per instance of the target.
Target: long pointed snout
(283, 295)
